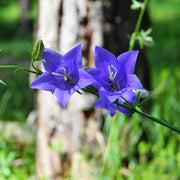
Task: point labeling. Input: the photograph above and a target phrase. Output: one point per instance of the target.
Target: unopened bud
(136, 5)
(38, 50)
(143, 93)
(145, 39)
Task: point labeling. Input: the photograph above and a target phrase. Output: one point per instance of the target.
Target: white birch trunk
(46, 103)
(54, 124)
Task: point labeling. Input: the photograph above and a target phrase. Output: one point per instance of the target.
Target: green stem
(89, 89)
(164, 123)
(20, 68)
(34, 67)
(109, 144)
(138, 24)
(137, 110)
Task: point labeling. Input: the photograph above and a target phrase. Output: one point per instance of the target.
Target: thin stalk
(138, 24)
(37, 70)
(19, 68)
(159, 121)
(163, 123)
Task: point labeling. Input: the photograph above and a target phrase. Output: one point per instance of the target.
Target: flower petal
(95, 73)
(63, 96)
(129, 60)
(130, 96)
(52, 60)
(106, 104)
(104, 58)
(75, 54)
(121, 76)
(85, 79)
(134, 82)
(103, 101)
(112, 112)
(43, 82)
(110, 95)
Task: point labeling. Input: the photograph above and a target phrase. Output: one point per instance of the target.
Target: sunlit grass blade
(2, 82)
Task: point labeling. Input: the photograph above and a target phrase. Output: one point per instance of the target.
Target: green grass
(16, 98)
(17, 158)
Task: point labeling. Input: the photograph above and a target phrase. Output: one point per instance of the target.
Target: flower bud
(145, 39)
(38, 50)
(136, 5)
(143, 93)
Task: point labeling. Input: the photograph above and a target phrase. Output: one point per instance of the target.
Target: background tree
(26, 23)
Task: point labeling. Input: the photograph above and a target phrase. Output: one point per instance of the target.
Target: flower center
(68, 78)
(115, 86)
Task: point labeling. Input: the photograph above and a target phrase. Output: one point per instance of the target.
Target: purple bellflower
(64, 75)
(115, 79)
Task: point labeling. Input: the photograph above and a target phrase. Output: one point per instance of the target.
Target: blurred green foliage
(16, 98)
(17, 161)
(165, 17)
(9, 19)
(17, 157)
(12, 40)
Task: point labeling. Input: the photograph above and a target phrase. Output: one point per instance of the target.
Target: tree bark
(25, 21)
(47, 107)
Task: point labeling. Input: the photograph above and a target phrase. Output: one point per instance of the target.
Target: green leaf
(2, 82)
(86, 67)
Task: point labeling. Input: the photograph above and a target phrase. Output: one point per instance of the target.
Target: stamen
(112, 75)
(61, 75)
(115, 86)
(67, 78)
(57, 74)
(65, 75)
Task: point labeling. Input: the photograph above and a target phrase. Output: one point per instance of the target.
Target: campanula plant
(64, 75)
(118, 87)
(115, 79)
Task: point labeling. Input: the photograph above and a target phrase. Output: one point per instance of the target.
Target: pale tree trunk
(62, 24)
(47, 106)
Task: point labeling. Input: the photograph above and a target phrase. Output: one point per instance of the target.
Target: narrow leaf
(2, 82)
